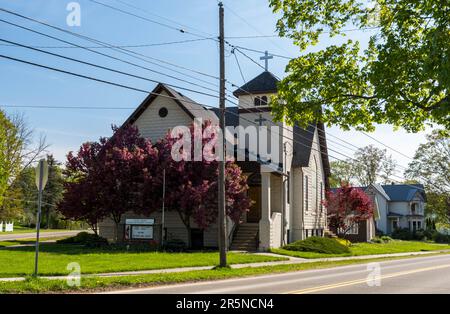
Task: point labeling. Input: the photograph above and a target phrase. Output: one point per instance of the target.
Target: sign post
(41, 181)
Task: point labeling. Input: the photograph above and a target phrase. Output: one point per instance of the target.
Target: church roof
(303, 142)
(231, 115)
(266, 82)
(192, 108)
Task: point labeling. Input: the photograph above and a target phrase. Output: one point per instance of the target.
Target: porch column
(265, 222)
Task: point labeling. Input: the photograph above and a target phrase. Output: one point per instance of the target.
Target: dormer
(256, 93)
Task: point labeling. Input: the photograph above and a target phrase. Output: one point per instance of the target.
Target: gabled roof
(192, 108)
(266, 82)
(303, 141)
(379, 189)
(404, 192)
(231, 115)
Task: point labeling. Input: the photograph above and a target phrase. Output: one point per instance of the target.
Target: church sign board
(139, 229)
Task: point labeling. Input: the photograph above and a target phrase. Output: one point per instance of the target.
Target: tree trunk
(187, 223)
(116, 231)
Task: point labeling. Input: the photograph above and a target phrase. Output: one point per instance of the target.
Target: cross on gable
(266, 59)
(260, 120)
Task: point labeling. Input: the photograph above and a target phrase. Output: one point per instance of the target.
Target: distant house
(398, 206)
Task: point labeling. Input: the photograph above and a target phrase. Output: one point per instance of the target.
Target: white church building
(287, 195)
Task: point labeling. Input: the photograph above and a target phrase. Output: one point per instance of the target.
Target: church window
(321, 196)
(257, 101)
(163, 112)
(306, 193)
(264, 101)
(288, 186)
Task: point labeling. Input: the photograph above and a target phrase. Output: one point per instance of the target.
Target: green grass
(54, 258)
(359, 249)
(34, 285)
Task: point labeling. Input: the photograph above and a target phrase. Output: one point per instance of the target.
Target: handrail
(231, 235)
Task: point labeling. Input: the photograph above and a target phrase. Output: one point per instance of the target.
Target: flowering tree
(107, 178)
(192, 186)
(125, 173)
(346, 207)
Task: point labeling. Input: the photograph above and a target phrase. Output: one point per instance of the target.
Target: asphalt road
(416, 275)
(52, 234)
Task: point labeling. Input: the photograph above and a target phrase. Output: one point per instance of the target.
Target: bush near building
(318, 245)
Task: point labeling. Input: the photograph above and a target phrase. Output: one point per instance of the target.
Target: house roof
(303, 141)
(192, 108)
(404, 192)
(266, 82)
(379, 189)
(231, 115)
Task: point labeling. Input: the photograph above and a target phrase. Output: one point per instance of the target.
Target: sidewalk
(43, 234)
(292, 260)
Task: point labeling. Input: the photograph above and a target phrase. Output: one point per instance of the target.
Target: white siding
(152, 126)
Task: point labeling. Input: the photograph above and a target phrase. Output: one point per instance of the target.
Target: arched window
(264, 101)
(257, 101)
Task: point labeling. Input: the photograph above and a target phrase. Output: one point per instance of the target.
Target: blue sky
(22, 85)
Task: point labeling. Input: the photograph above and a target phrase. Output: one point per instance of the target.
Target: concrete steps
(245, 237)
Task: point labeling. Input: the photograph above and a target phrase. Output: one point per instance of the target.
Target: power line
(121, 50)
(393, 149)
(105, 68)
(108, 56)
(253, 27)
(144, 18)
(119, 46)
(161, 17)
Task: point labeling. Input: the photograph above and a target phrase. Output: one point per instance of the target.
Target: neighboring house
(399, 206)
(287, 196)
(395, 206)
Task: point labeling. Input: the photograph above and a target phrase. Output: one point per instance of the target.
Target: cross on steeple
(260, 120)
(266, 59)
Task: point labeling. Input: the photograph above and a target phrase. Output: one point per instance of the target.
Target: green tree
(401, 78)
(431, 165)
(9, 159)
(18, 150)
(369, 165)
(341, 171)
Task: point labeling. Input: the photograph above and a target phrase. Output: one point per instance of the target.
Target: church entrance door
(254, 215)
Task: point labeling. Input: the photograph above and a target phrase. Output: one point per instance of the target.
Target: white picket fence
(9, 227)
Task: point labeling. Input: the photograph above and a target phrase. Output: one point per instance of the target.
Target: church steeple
(265, 83)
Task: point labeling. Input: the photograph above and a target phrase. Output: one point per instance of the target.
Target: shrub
(318, 245)
(175, 245)
(441, 238)
(344, 241)
(377, 240)
(84, 238)
(402, 234)
(386, 239)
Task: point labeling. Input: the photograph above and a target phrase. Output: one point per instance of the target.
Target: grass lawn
(358, 249)
(54, 258)
(33, 285)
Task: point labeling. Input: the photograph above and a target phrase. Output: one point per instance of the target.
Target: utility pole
(222, 217)
(163, 208)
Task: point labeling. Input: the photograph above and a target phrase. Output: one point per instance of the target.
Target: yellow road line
(360, 281)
